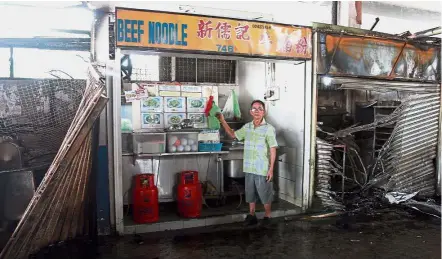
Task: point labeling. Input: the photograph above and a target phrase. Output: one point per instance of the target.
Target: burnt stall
(378, 105)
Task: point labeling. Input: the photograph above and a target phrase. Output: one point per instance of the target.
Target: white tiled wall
(286, 115)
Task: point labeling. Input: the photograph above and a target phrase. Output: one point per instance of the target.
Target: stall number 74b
(225, 48)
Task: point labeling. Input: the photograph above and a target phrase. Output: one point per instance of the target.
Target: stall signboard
(196, 34)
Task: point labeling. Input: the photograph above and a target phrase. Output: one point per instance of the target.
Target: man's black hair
(258, 101)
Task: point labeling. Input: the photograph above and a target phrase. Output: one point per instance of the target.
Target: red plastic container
(189, 195)
(145, 199)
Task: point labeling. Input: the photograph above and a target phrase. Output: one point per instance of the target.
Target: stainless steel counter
(182, 154)
(166, 166)
(177, 154)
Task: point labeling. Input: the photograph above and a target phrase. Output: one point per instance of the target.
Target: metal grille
(38, 113)
(165, 69)
(185, 69)
(216, 71)
(189, 70)
(199, 70)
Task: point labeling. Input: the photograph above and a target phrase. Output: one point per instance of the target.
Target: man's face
(257, 111)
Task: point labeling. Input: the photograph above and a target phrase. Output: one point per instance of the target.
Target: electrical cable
(239, 193)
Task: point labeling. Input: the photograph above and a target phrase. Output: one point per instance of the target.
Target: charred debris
(376, 147)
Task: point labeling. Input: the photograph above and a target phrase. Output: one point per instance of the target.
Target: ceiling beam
(77, 44)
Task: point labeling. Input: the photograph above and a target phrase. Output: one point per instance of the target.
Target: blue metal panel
(103, 202)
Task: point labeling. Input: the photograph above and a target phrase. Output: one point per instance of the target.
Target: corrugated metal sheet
(409, 157)
(382, 85)
(325, 168)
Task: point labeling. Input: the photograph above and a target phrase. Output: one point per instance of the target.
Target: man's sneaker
(265, 222)
(250, 220)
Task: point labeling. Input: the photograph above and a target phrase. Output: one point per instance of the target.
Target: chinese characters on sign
(223, 30)
(204, 29)
(301, 46)
(241, 32)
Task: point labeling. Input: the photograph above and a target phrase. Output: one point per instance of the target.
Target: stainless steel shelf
(182, 154)
(184, 131)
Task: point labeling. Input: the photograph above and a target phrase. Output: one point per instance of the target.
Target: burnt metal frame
(348, 31)
(334, 52)
(405, 41)
(344, 155)
(397, 59)
(374, 24)
(311, 153)
(335, 29)
(310, 121)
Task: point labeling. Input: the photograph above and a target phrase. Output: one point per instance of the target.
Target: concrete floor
(230, 212)
(390, 236)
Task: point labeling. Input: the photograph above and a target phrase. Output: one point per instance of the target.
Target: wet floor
(385, 237)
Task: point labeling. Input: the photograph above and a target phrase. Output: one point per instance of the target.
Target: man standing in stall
(259, 158)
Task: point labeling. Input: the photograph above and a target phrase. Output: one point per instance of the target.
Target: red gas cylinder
(189, 195)
(145, 199)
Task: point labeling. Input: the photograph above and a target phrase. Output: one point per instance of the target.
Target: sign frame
(337, 54)
(213, 53)
(344, 63)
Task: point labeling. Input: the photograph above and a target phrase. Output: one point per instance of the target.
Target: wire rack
(38, 113)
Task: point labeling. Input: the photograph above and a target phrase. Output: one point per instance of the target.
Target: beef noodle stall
(164, 149)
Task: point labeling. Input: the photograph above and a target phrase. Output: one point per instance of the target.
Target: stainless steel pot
(233, 168)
